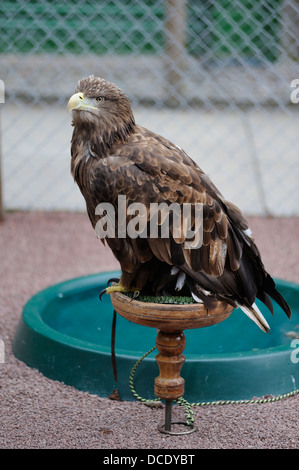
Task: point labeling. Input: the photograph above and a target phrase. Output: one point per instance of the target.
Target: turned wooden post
(169, 385)
(171, 320)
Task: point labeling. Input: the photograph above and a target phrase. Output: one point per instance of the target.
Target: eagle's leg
(118, 287)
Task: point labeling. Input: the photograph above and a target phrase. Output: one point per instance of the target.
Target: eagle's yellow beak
(79, 102)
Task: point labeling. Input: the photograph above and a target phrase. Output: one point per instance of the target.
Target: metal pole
(168, 413)
(290, 33)
(175, 39)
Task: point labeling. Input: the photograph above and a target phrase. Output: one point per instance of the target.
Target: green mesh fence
(217, 77)
(225, 28)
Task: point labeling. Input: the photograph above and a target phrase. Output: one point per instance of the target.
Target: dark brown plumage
(112, 156)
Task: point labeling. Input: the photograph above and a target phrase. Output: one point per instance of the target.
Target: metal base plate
(192, 428)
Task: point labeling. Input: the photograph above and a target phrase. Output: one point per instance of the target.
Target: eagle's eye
(100, 99)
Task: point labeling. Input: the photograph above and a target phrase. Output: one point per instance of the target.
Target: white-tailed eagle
(111, 155)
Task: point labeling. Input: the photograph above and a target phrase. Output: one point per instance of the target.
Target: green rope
(188, 406)
(132, 377)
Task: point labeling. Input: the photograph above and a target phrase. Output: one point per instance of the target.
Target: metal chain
(188, 406)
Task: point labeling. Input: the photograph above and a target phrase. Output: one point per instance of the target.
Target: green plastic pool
(65, 332)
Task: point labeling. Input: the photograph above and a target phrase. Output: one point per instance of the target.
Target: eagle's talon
(104, 291)
(118, 288)
(101, 294)
(113, 279)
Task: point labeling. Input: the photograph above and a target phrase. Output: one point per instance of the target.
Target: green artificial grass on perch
(161, 299)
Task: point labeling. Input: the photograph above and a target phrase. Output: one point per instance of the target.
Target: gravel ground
(39, 249)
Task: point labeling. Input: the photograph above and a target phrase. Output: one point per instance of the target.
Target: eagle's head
(100, 106)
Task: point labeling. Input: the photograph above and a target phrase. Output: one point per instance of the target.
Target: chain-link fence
(215, 77)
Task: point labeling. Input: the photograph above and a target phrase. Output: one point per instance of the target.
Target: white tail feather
(180, 281)
(197, 299)
(256, 315)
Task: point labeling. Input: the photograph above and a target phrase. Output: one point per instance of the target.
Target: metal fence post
(175, 43)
